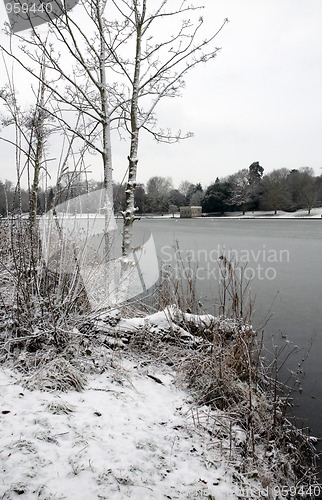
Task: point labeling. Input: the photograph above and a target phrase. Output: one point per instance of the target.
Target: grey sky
(259, 100)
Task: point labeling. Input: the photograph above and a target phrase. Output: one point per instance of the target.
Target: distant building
(189, 212)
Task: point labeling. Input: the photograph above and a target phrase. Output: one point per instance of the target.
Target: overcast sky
(259, 100)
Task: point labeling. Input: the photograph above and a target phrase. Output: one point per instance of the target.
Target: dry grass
(60, 408)
(229, 372)
(58, 375)
(38, 307)
(226, 373)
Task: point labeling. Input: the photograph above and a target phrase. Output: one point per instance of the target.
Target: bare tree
(309, 188)
(158, 191)
(276, 195)
(242, 189)
(159, 66)
(196, 198)
(78, 85)
(173, 209)
(74, 56)
(124, 65)
(33, 126)
(31, 132)
(37, 125)
(154, 70)
(185, 188)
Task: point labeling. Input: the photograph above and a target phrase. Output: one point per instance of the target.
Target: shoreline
(316, 214)
(231, 217)
(154, 368)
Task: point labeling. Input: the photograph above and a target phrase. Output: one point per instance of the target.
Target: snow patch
(122, 437)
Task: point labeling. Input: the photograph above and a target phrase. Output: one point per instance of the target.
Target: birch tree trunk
(39, 119)
(130, 210)
(109, 223)
(127, 261)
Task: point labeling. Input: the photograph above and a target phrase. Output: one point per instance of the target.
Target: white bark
(129, 214)
(38, 125)
(110, 234)
(127, 262)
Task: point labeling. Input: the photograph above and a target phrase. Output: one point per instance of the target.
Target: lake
(285, 266)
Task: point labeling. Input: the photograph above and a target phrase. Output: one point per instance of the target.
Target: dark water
(285, 264)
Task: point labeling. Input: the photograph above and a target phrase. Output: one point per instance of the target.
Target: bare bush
(38, 305)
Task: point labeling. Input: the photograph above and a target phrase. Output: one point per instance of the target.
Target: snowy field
(125, 436)
(302, 214)
(132, 430)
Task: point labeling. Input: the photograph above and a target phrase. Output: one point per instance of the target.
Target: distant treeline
(247, 189)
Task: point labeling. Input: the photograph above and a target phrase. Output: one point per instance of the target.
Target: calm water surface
(285, 262)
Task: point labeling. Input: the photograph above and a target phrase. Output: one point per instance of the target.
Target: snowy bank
(125, 436)
(136, 430)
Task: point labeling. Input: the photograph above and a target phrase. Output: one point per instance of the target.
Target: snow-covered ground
(315, 213)
(303, 213)
(125, 436)
(133, 430)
